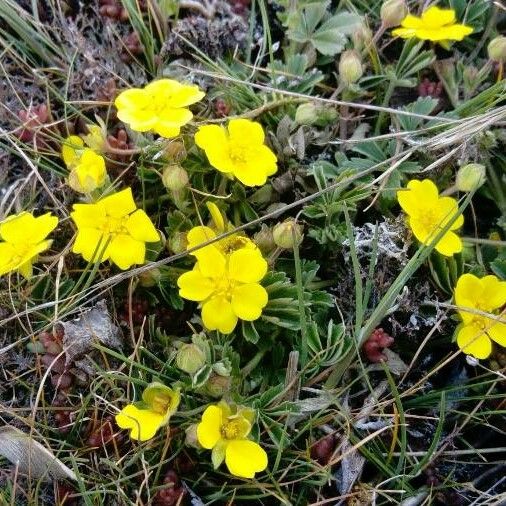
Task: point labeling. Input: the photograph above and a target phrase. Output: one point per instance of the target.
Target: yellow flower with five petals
(23, 237)
(224, 429)
(238, 150)
(113, 229)
(227, 286)
(435, 24)
(428, 213)
(144, 418)
(161, 106)
(477, 331)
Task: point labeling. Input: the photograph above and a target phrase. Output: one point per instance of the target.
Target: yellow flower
(144, 418)
(435, 24)
(239, 151)
(113, 229)
(161, 106)
(201, 234)
(225, 429)
(89, 172)
(23, 237)
(227, 286)
(477, 331)
(95, 138)
(428, 213)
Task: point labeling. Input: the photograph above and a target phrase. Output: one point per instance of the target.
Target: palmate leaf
(328, 35)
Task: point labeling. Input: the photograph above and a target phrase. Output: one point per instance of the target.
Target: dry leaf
(351, 468)
(31, 457)
(94, 325)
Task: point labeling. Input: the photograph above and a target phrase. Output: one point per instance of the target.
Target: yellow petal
(473, 341)
(141, 228)
(446, 209)
(91, 244)
(404, 33)
(211, 262)
(246, 129)
(449, 244)
(175, 117)
(17, 228)
(185, 95)
(143, 422)
(494, 292)
(132, 98)
(119, 204)
(497, 331)
(209, 429)
(126, 251)
(247, 265)
(468, 288)
(199, 235)
(244, 458)
(456, 32)
(213, 139)
(165, 130)
(434, 17)
(88, 215)
(7, 254)
(217, 314)
(249, 300)
(411, 21)
(193, 286)
(217, 217)
(26, 269)
(71, 150)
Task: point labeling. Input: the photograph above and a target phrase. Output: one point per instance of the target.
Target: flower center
(160, 404)
(231, 429)
(224, 287)
(114, 226)
(238, 153)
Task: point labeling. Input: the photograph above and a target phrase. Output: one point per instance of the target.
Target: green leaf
(249, 332)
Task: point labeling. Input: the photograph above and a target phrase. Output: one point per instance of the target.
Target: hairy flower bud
(175, 151)
(361, 37)
(287, 234)
(150, 278)
(264, 239)
(497, 49)
(217, 385)
(190, 358)
(393, 12)
(313, 114)
(174, 177)
(470, 177)
(350, 67)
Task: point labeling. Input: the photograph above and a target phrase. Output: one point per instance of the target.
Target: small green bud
(470, 177)
(497, 49)
(222, 369)
(175, 151)
(393, 12)
(175, 178)
(264, 239)
(150, 278)
(306, 114)
(350, 67)
(190, 358)
(177, 243)
(287, 234)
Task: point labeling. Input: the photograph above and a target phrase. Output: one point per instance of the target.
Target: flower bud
(264, 239)
(190, 358)
(222, 369)
(150, 278)
(177, 243)
(306, 114)
(361, 37)
(191, 436)
(393, 12)
(497, 49)
(174, 177)
(175, 151)
(470, 177)
(287, 234)
(217, 385)
(350, 67)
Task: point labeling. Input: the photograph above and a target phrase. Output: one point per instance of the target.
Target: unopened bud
(190, 358)
(217, 385)
(150, 278)
(497, 49)
(287, 234)
(361, 37)
(174, 178)
(393, 12)
(191, 438)
(264, 239)
(177, 243)
(470, 177)
(350, 67)
(175, 151)
(306, 114)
